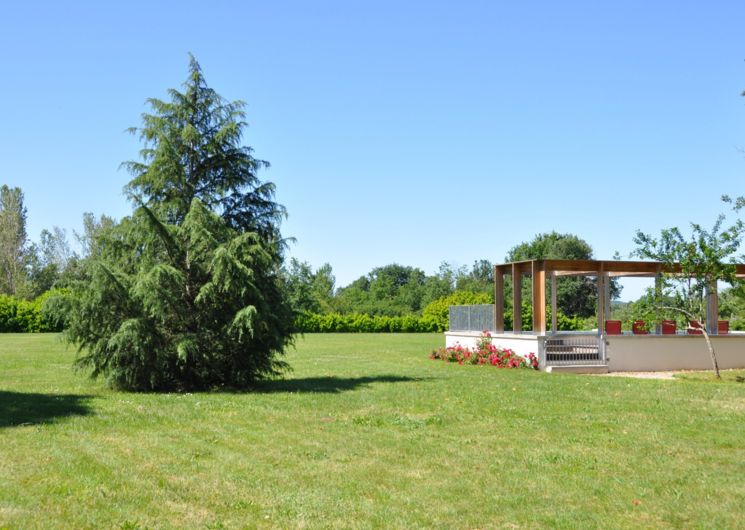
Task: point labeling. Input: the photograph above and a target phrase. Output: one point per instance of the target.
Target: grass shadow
(328, 384)
(24, 408)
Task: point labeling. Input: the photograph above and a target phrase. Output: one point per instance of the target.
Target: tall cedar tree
(186, 293)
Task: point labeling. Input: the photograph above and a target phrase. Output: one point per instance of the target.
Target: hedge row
(25, 316)
(361, 323)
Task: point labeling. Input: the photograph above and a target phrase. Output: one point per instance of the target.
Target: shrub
(26, 316)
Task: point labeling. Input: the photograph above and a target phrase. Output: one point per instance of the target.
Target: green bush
(26, 316)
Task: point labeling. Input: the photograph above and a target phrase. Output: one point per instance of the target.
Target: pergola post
(554, 309)
(657, 297)
(539, 297)
(498, 300)
(517, 302)
(601, 302)
(712, 308)
(607, 306)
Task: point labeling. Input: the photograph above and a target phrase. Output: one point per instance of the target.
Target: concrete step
(578, 369)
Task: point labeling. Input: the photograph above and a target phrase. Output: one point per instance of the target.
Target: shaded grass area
(367, 432)
(25, 408)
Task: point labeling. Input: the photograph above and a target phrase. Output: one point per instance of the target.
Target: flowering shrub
(485, 353)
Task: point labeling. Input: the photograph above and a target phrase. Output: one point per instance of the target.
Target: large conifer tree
(186, 292)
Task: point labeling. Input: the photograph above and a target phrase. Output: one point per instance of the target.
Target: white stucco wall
(629, 353)
(520, 344)
(632, 353)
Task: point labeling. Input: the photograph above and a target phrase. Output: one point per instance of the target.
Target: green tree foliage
(732, 306)
(309, 291)
(480, 279)
(575, 296)
(705, 257)
(48, 261)
(392, 290)
(323, 288)
(93, 230)
(186, 293)
(440, 284)
(53, 263)
(396, 290)
(13, 240)
(193, 150)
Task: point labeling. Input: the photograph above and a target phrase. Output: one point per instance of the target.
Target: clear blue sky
(408, 132)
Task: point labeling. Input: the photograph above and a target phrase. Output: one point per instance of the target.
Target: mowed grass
(367, 432)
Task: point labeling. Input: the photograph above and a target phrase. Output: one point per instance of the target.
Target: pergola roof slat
(585, 267)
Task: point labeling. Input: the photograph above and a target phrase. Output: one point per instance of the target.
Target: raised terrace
(604, 348)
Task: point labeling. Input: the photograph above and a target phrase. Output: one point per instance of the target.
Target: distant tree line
(397, 290)
(30, 269)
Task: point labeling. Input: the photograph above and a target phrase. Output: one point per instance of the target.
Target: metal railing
(471, 317)
(561, 349)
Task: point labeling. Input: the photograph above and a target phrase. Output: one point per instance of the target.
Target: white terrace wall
(520, 344)
(631, 353)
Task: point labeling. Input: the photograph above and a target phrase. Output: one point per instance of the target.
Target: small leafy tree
(705, 258)
(186, 293)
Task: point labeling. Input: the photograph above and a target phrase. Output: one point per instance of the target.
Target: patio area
(605, 348)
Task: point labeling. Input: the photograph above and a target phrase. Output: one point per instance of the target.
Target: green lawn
(368, 432)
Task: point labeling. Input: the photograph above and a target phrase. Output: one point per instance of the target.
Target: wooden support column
(712, 309)
(498, 300)
(606, 288)
(554, 309)
(601, 302)
(657, 300)
(517, 300)
(539, 297)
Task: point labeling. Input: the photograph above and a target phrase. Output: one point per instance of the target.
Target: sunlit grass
(727, 376)
(367, 432)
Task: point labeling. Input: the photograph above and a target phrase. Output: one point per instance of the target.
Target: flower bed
(485, 353)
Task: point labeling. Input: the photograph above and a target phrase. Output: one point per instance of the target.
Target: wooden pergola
(540, 270)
